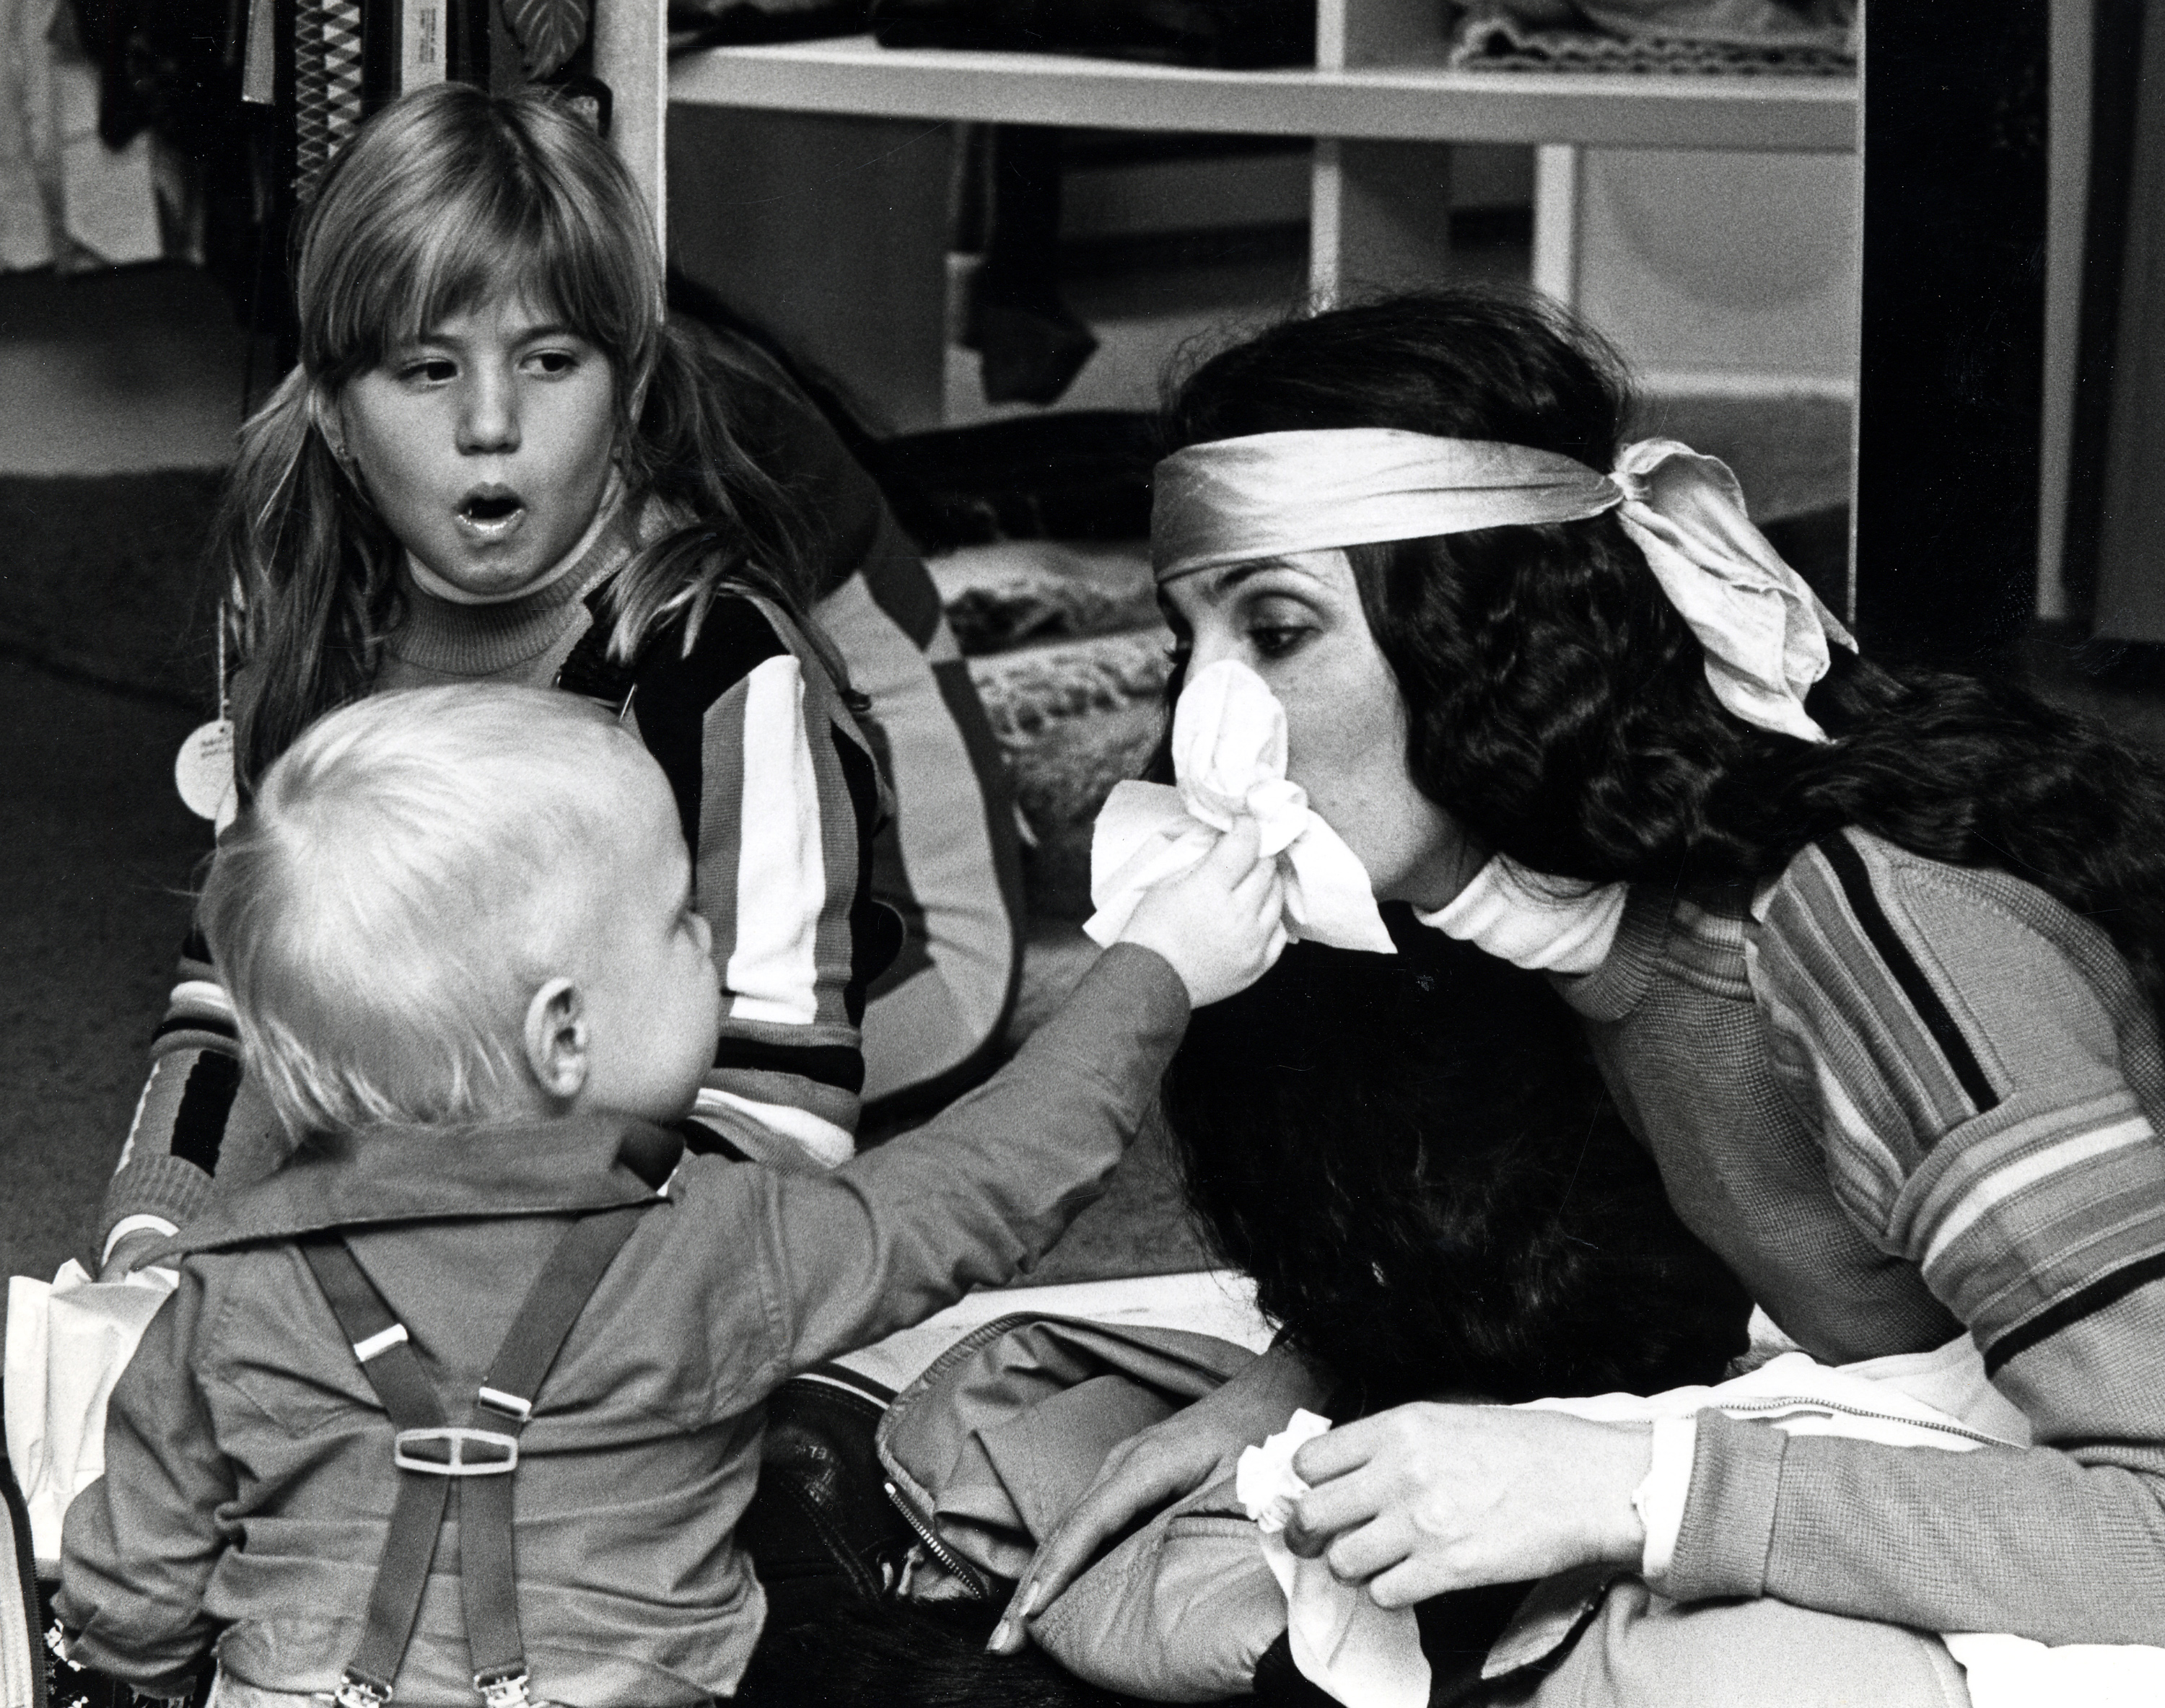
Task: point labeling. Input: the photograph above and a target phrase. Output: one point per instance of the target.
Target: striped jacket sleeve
(779, 797)
(951, 862)
(1981, 1068)
(196, 1115)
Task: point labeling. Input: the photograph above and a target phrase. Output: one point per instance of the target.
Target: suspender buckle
(356, 1691)
(453, 1451)
(502, 1689)
(504, 1405)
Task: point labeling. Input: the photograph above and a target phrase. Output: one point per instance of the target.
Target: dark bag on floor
(820, 1529)
(1225, 34)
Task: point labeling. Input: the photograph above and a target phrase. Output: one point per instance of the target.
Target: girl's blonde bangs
(446, 222)
(466, 257)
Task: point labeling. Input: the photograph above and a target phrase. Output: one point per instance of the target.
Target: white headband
(1765, 632)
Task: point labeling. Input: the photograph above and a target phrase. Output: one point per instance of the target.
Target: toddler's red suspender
(430, 1453)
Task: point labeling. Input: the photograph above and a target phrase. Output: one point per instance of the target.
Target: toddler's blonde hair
(385, 909)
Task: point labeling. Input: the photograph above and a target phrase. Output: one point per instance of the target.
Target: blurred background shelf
(1707, 224)
(1406, 101)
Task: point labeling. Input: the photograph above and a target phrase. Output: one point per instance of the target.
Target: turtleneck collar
(421, 576)
(464, 638)
(1544, 924)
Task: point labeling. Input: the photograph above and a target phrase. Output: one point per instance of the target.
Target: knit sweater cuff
(1728, 1529)
(158, 1184)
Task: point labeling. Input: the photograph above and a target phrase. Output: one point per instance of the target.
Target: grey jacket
(248, 1465)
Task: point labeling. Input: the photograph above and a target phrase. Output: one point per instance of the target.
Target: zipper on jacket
(1761, 1410)
(963, 1571)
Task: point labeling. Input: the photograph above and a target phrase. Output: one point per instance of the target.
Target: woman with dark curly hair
(1872, 960)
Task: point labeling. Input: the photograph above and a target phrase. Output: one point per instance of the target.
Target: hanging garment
(1228, 34)
(71, 196)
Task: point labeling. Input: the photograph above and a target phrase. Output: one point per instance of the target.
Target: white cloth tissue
(1228, 755)
(1348, 1647)
(68, 1341)
(1544, 924)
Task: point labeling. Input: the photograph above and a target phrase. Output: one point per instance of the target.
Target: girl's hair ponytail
(447, 198)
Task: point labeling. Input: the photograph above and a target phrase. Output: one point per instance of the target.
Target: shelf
(1397, 102)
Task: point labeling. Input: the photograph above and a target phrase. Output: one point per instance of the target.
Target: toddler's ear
(556, 1039)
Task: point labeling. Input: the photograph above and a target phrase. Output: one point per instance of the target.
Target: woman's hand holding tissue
(1221, 924)
(1424, 1499)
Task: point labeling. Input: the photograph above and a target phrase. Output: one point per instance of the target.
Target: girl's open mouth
(490, 513)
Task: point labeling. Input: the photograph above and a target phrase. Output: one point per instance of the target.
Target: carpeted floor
(97, 853)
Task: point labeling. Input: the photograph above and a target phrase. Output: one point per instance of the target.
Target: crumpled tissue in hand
(1354, 1651)
(1228, 755)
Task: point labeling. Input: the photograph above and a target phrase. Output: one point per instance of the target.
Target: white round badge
(203, 772)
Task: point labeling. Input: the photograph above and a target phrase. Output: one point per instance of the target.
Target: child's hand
(1221, 923)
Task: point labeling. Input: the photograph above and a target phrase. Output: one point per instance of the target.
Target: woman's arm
(1981, 1067)
(1972, 1054)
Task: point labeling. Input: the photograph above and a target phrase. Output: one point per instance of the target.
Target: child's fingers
(1236, 852)
(1269, 902)
(1257, 886)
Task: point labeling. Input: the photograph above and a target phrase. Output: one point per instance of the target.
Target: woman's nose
(1211, 643)
(489, 420)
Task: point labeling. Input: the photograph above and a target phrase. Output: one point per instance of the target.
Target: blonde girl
(498, 459)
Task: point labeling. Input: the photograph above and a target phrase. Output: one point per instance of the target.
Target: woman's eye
(1275, 626)
(553, 362)
(1274, 640)
(428, 370)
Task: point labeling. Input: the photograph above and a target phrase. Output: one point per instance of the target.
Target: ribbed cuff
(1728, 1529)
(160, 1185)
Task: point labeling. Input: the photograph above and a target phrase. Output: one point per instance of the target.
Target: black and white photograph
(1073, 853)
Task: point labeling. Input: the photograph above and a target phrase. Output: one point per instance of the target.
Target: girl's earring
(349, 465)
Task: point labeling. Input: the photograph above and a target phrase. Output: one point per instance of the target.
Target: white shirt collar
(1546, 925)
